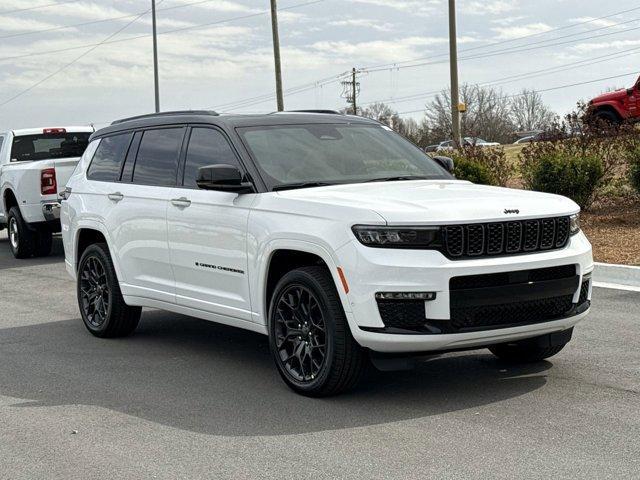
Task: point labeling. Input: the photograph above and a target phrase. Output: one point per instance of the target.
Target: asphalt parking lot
(188, 399)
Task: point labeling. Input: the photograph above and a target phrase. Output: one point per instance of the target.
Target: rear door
(208, 232)
(137, 221)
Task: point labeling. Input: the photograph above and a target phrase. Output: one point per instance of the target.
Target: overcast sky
(217, 53)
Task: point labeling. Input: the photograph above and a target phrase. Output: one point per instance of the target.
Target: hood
(423, 202)
(609, 96)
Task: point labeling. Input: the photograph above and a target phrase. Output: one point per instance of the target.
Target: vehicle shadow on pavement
(204, 377)
(7, 259)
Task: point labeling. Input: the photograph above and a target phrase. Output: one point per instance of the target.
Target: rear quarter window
(107, 161)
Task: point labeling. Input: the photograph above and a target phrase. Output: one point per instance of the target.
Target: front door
(207, 233)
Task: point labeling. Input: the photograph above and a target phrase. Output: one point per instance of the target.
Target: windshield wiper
(291, 186)
(400, 177)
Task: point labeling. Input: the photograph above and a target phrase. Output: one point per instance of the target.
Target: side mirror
(445, 162)
(225, 178)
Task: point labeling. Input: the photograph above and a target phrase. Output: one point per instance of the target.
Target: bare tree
(487, 114)
(528, 112)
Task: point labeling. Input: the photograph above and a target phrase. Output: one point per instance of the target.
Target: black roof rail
(326, 112)
(165, 114)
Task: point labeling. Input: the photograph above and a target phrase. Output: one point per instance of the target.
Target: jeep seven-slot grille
(505, 238)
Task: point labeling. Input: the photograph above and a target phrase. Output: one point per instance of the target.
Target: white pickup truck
(35, 165)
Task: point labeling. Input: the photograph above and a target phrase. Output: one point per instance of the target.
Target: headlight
(398, 237)
(574, 224)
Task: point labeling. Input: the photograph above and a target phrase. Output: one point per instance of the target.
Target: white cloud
(416, 7)
(597, 22)
(20, 24)
(508, 33)
(491, 7)
(610, 45)
(508, 20)
(363, 23)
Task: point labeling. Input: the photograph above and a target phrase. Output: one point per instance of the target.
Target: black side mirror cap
(445, 162)
(224, 178)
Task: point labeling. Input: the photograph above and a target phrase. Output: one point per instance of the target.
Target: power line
(67, 65)
(166, 32)
(502, 42)
(521, 76)
(7, 12)
(558, 87)
(94, 22)
(518, 49)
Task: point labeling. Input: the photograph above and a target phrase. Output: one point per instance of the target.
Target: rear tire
(309, 336)
(102, 307)
(22, 240)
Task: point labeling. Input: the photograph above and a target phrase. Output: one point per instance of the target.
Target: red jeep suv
(619, 106)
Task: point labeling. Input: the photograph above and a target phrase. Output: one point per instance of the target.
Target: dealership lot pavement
(188, 399)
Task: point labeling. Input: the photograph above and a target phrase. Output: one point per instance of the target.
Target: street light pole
(453, 65)
(276, 55)
(155, 56)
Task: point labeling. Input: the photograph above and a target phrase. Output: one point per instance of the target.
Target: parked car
(331, 234)
(619, 106)
(448, 145)
(431, 148)
(35, 165)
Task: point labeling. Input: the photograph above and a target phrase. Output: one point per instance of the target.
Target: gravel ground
(188, 399)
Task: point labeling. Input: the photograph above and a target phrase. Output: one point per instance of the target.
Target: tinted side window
(107, 161)
(157, 158)
(206, 147)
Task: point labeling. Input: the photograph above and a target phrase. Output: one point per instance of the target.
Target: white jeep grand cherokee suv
(331, 234)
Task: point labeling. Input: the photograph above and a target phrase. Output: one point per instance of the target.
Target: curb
(609, 275)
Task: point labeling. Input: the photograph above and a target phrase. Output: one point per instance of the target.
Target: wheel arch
(282, 257)
(87, 234)
(9, 200)
(611, 107)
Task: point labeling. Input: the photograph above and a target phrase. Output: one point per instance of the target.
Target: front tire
(309, 336)
(22, 240)
(102, 307)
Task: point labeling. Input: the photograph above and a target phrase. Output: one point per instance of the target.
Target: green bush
(634, 176)
(576, 177)
(474, 171)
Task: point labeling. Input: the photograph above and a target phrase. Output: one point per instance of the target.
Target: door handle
(181, 202)
(116, 197)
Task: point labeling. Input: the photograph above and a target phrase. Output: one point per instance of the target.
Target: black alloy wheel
(309, 336)
(102, 306)
(300, 333)
(95, 295)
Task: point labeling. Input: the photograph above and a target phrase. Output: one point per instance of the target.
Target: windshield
(332, 154)
(49, 145)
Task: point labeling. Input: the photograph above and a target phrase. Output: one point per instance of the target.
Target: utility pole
(351, 89)
(155, 56)
(276, 55)
(453, 65)
(354, 93)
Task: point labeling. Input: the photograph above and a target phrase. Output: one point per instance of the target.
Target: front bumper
(371, 270)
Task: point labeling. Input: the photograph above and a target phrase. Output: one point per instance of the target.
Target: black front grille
(504, 238)
(505, 314)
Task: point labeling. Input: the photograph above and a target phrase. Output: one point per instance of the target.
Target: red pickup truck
(618, 106)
